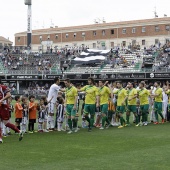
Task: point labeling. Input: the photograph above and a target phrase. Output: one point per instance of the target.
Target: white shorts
(60, 119)
(40, 120)
(24, 120)
(51, 107)
(45, 118)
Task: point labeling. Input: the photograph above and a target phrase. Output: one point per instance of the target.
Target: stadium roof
(114, 24)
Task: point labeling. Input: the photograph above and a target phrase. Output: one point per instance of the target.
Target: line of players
(126, 100)
(138, 101)
(113, 104)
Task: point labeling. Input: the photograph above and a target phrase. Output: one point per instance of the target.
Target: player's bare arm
(8, 95)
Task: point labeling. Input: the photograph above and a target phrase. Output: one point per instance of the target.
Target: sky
(46, 13)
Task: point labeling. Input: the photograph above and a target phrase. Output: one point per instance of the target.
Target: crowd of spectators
(40, 64)
(36, 89)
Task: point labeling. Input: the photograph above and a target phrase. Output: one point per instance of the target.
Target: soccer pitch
(127, 148)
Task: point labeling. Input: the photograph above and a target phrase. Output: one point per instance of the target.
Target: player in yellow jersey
(131, 107)
(167, 91)
(143, 95)
(91, 94)
(71, 96)
(158, 101)
(104, 94)
(121, 94)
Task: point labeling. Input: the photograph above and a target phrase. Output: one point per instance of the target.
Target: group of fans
(112, 106)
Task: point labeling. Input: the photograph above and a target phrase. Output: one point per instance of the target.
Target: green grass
(128, 148)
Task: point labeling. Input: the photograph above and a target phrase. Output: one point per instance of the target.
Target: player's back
(53, 92)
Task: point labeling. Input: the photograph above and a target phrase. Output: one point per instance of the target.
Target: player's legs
(160, 111)
(73, 118)
(8, 129)
(152, 114)
(156, 112)
(121, 110)
(128, 115)
(86, 113)
(45, 124)
(143, 113)
(168, 114)
(13, 127)
(17, 123)
(98, 117)
(92, 113)
(31, 125)
(50, 118)
(134, 111)
(146, 112)
(40, 124)
(59, 123)
(68, 112)
(104, 111)
(110, 115)
(4, 115)
(10, 125)
(4, 130)
(25, 124)
(164, 112)
(52, 121)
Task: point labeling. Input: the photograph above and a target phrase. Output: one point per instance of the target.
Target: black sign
(131, 76)
(111, 77)
(75, 76)
(158, 75)
(52, 77)
(24, 77)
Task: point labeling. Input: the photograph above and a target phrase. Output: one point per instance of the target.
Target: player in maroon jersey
(4, 111)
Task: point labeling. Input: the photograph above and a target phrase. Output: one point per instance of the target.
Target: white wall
(117, 42)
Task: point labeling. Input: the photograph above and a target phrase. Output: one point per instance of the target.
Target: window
(124, 43)
(103, 32)
(74, 35)
(40, 37)
(143, 42)
(133, 42)
(83, 34)
(18, 39)
(124, 31)
(94, 45)
(66, 35)
(156, 28)
(94, 33)
(156, 41)
(133, 30)
(167, 27)
(112, 44)
(56, 37)
(48, 37)
(112, 32)
(167, 40)
(143, 29)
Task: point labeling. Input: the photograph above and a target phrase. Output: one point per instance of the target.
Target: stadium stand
(118, 60)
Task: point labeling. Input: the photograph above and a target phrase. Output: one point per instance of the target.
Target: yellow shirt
(144, 96)
(104, 94)
(168, 93)
(71, 93)
(121, 95)
(131, 94)
(158, 92)
(91, 93)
